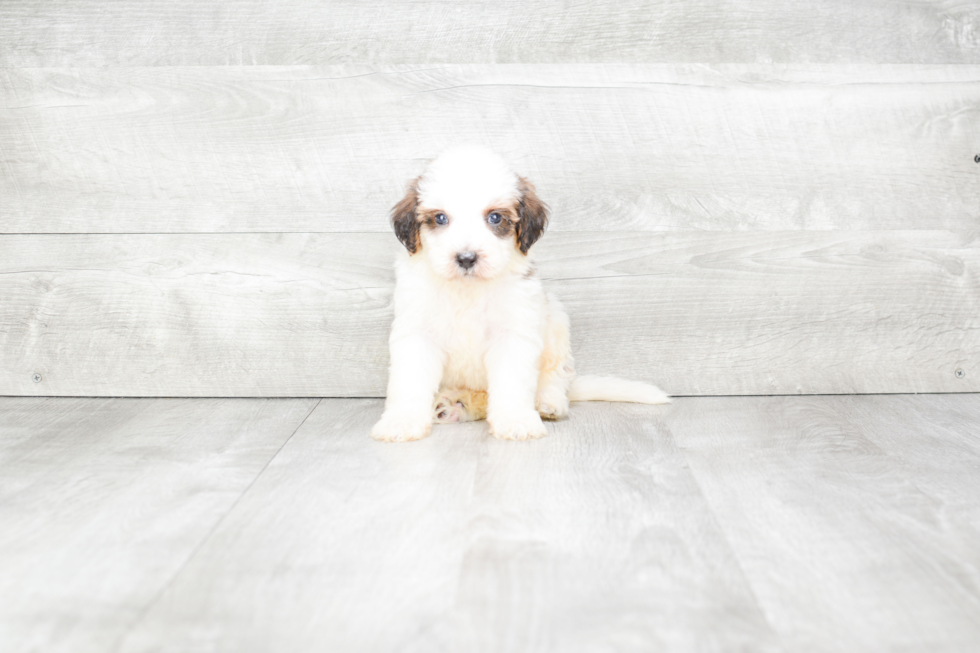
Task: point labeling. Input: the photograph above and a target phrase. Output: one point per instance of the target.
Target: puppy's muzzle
(466, 260)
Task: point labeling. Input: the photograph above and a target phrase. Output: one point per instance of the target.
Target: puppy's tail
(608, 388)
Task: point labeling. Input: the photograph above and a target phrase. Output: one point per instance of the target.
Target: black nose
(466, 260)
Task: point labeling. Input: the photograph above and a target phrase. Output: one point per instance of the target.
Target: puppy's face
(470, 216)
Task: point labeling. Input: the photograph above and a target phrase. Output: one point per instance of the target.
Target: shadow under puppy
(475, 335)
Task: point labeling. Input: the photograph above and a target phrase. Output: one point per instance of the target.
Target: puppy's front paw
(519, 426)
(401, 427)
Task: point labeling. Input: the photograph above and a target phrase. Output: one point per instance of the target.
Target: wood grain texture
(610, 147)
(820, 524)
(848, 534)
(596, 538)
(103, 501)
(942, 453)
(130, 33)
(308, 314)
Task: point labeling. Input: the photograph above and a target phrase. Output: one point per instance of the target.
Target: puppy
(474, 333)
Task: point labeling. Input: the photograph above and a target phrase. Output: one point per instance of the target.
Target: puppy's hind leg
(556, 365)
(460, 405)
(552, 397)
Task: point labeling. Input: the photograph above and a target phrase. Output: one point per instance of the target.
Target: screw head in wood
(960, 373)
(976, 159)
(36, 378)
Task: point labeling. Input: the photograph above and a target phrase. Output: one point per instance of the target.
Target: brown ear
(404, 218)
(533, 214)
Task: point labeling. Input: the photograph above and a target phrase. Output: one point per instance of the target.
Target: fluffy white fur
(485, 340)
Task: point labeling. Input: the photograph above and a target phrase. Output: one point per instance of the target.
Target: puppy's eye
(442, 218)
(494, 218)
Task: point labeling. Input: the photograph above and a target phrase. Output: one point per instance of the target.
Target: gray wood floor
(821, 523)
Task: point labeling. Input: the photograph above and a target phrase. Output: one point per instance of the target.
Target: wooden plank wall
(256, 32)
(757, 199)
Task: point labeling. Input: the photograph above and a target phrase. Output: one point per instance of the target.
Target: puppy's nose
(466, 260)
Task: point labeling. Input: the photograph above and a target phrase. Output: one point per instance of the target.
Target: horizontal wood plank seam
(378, 397)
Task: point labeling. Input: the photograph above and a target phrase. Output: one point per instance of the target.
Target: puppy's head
(470, 215)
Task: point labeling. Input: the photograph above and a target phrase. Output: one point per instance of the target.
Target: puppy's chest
(465, 336)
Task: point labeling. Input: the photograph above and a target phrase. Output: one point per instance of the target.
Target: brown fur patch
(427, 218)
(533, 216)
(508, 220)
(404, 219)
(476, 403)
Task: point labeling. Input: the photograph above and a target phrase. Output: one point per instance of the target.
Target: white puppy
(474, 333)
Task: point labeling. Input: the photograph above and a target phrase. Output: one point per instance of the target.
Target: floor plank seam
(217, 524)
(673, 396)
(727, 539)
